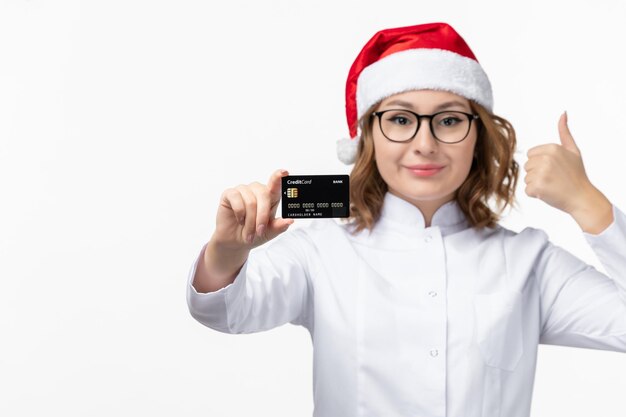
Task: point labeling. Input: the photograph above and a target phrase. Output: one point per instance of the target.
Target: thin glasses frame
(419, 117)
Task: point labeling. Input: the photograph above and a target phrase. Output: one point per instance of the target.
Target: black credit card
(315, 196)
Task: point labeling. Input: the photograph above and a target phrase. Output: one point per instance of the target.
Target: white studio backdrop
(121, 123)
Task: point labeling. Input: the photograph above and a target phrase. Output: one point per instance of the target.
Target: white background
(121, 122)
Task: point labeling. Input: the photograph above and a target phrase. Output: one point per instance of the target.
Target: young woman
(421, 304)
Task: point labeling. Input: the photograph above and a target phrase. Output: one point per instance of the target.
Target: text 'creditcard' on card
(315, 196)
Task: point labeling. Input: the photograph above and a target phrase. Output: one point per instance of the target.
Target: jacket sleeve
(582, 307)
(272, 288)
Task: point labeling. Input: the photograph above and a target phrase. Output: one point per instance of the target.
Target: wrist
(593, 212)
(217, 269)
(224, 258)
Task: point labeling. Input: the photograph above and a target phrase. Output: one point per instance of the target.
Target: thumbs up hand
(556, 175)
(555, 172)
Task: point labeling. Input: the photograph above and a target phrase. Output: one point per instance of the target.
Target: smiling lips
(425, 170)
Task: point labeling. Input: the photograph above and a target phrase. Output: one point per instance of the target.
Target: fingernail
(250, 237)
(260, 229)
(283, 172)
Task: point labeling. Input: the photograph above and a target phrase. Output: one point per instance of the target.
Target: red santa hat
(429, 56)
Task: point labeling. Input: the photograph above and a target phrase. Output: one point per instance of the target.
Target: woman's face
(399, 163)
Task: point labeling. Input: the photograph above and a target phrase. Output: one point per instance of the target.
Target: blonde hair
(493, 174)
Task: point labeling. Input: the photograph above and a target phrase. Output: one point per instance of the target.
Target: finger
(531, 176)
(233, 199)
(536, 162)
(251, 208)
(534, 173)
(529, 164)
(536, 150)
(530, 192)
(275, 184)
(567, 140)
(533, 188)
(278, 226)
(263, 207)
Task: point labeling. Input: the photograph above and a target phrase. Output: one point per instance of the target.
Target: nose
(424, 141)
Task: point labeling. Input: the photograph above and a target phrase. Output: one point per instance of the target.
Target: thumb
(275, 185)
(277, 226)
(567, 140)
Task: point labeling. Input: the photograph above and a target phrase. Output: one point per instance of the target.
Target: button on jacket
(439, 321)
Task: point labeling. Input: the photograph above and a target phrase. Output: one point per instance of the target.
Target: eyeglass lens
(399, 125)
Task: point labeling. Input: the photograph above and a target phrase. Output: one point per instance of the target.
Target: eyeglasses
(446, 126)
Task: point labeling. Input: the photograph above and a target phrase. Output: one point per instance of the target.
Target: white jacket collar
(399, 213)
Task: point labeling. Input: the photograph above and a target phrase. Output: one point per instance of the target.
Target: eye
(400, 119)
(449, 121)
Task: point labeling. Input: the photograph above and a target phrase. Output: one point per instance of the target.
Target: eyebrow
(442, 106)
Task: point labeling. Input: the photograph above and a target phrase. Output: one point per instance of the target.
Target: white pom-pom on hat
(347, 149)
(429, 56)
